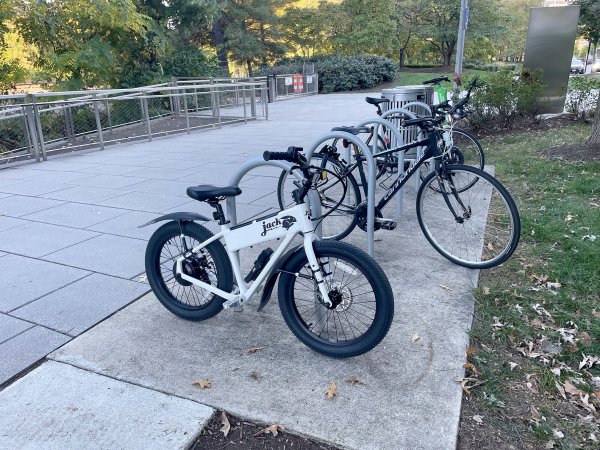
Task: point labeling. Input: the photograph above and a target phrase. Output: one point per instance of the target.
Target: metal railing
(33, 126)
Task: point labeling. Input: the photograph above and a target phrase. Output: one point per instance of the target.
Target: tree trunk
(249, 64)
(594, 138)
(263, 39)
(401, 58)
(218, 37)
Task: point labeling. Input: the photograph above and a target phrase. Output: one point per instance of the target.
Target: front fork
(445, 178)
(316, 268)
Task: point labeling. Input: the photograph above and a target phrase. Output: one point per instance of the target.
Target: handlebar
(292, 155)
(436, 80)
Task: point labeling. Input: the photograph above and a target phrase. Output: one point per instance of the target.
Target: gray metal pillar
(146, 113)
(38, 129)
(98, 121)
(460, 46)
(253, 99)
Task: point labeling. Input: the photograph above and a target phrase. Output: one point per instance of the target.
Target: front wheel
(362, 300)
(210, 265)
(468, 217)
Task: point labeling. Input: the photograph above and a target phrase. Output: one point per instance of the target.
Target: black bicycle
(460, 209)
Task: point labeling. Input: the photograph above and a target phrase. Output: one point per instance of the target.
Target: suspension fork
(316, 268)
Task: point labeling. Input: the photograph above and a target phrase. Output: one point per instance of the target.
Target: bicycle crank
(381, 223)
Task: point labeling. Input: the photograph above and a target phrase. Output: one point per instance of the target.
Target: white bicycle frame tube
(285, 224)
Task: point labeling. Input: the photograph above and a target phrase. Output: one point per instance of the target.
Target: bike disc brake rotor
(455, 156)
(361, 216)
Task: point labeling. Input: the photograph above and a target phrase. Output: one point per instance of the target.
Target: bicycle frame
(285, 224)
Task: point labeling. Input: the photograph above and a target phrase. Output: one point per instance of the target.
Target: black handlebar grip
(277, 156)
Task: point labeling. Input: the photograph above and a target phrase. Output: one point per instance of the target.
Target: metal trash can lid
(410, 89)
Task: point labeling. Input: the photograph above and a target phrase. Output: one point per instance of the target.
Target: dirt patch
(520, 125)
(248, 436)
(577, 152)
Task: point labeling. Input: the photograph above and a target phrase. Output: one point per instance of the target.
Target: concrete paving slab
(38, 239)
(127, 225)
(160, 173)
(408, 386)
(33, 188)
(23, 350)
(76, 215)
(109, 169)
(26, 279)
(7, 223)
(143, 201)
(54, 177)
(163, 187)
(11, 326)
(19, 205)
(78, 306)
(7, 182)
(84, 194)
(58, 406)
(111, 255)
(112, 181)
(3, 195)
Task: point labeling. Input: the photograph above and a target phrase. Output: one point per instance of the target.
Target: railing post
(40, 131)
(213, 100)
(244, 100)
(174, 97)
(265, 103)
(98, 121)
(253, 99)
(108, 115)
(217, 97)
(185, 109)
(68, 122)
(30, 128)
(146, 113)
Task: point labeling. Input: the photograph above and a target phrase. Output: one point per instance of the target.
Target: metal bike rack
(412, 106)
(371, 176)
(396, 140)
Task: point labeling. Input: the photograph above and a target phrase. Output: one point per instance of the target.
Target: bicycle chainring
(360, 214)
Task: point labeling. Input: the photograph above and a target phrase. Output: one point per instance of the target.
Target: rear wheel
(210, 265)
(362, 300)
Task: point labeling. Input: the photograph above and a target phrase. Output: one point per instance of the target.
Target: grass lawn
(534, 361)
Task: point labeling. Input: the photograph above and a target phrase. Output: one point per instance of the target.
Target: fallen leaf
(444, 287)
(596, 314)
(486, 291)
(331, 390)
(597, 394)
(554, 285)
(273, 429)
(569, 218)
(534, 412)
(470, 351)
(571, 389)
(226, 426)
(353, 380)
(477, 418)
(586, 339)
(593, 437)
(255, 375)
(472, 368)
(202, 384)
(415, 338)
(549, 444)
(584, 399)
(254, 349)
(490, 246)
(557, 433)
(560, 389)
(512, 365)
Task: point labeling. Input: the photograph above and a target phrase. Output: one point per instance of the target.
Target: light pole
(460, 46)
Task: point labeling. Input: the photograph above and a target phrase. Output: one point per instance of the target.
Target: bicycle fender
(270, 284)
(178, 217)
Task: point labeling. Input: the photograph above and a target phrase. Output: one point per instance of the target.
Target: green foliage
(582, 96)
(191, 62)
(502, 97)
(303, 30)
(361, 27)
(488, 67)
(589, 19)
(341, 73)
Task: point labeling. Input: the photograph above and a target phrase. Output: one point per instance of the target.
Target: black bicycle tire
(157, 283)
(352, 185)
(512, 207)
(376, 277)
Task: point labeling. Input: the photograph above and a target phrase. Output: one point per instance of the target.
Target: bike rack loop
(371, 169)
(421, 105)
(396, 137)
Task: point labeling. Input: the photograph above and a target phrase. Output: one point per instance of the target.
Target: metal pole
(108, 115)
(265, 103)
(31, 127)
(253, 99)
(244, 100)
(28, 143)
(187, 116)
(98, 121)
(146, 113)
(40, 131)
(217, 104)
(460, 47)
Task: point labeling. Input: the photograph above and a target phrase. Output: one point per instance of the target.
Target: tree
(589, 21)
(362, 26)
(251, 32)
(436, 21)
(303, 30)
(79, 40)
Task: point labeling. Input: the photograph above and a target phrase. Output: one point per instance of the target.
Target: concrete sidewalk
(410, 398)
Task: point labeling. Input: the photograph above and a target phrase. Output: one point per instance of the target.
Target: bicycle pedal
(387, 224)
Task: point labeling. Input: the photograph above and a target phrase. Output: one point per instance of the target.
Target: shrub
(341, 73)
(191, 62)
(582, 96)
(503, 96)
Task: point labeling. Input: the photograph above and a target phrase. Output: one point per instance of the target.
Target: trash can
(402, 95)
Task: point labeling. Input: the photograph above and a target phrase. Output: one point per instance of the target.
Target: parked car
(596, 66)
(577, 66)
